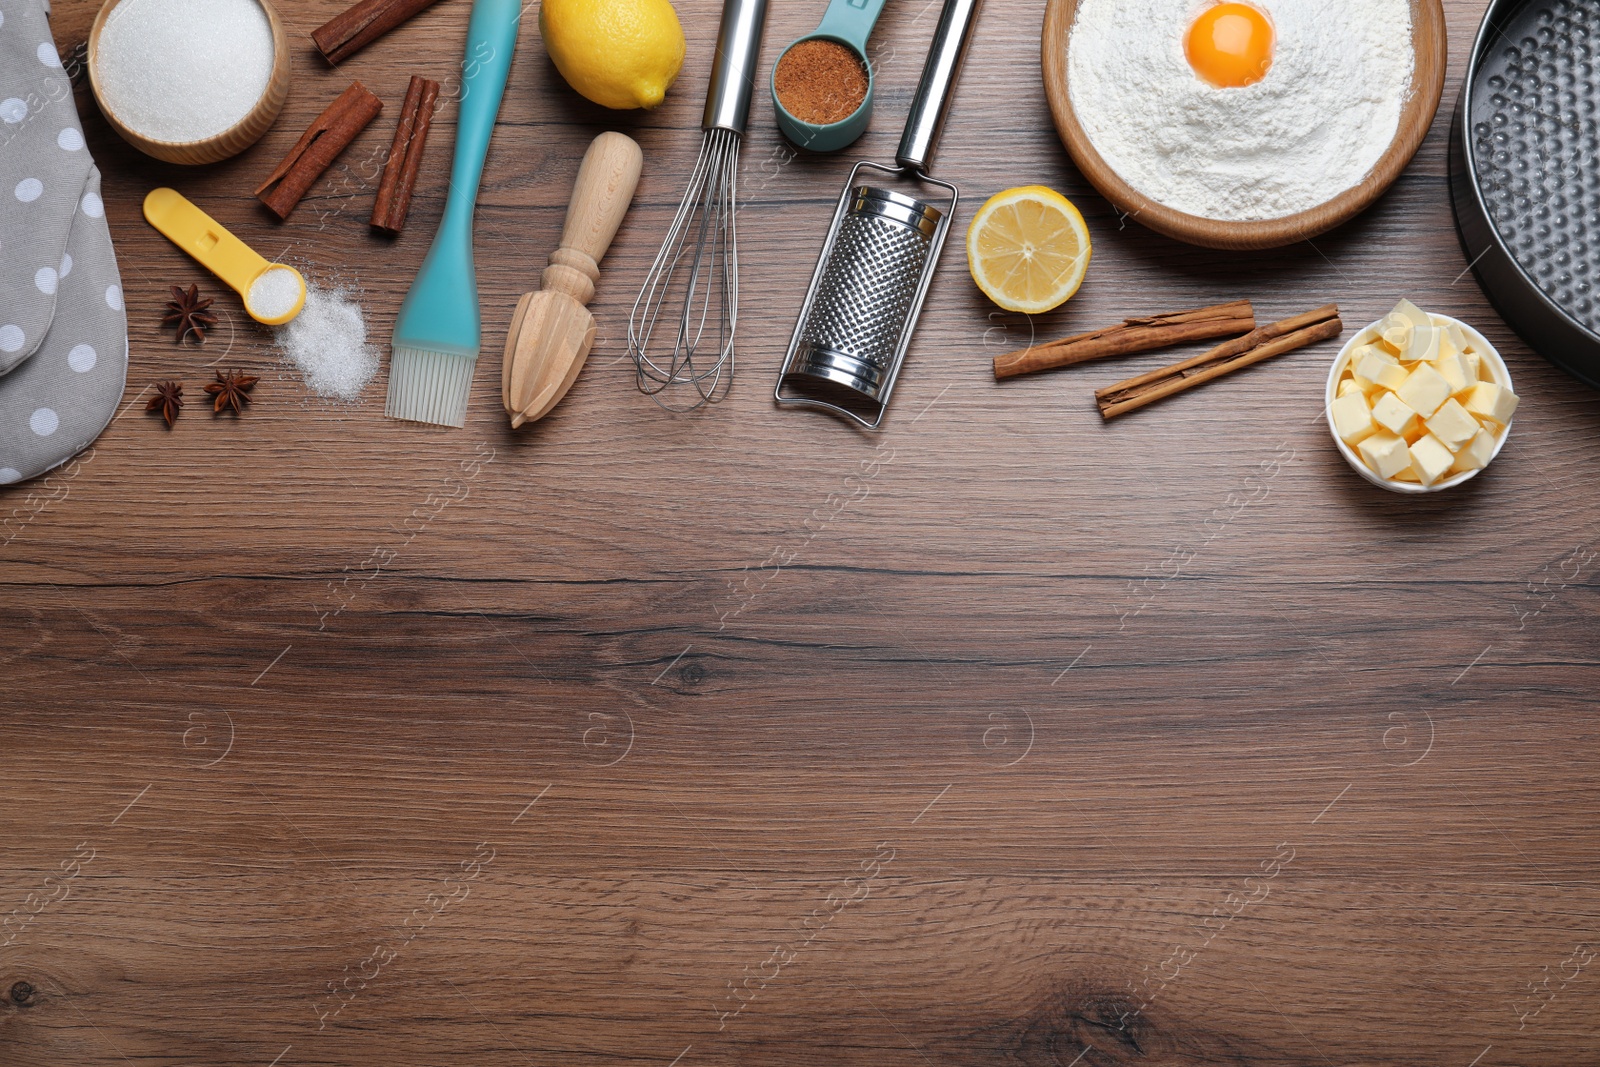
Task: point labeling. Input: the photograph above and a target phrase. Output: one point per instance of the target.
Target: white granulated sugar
(1314, 126)
(274, 293)
(327, 343)
(183, 70)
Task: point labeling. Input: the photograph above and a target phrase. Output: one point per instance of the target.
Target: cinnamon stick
(1132, 335)
(353, 29)
(1275, 339)
(318, 147)
(393, 203)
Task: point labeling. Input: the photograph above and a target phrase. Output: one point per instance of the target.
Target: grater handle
(928, 107)
(733, 71)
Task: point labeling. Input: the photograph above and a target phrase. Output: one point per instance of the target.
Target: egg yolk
(1230, 45)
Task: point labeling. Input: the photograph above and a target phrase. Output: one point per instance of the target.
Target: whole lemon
(618, 53)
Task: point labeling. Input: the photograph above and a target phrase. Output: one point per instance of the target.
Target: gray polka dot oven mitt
(63, 333)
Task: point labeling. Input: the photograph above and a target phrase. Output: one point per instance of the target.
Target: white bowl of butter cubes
(1419, 402)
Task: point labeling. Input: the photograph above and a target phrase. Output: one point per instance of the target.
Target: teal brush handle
(850, 20)
(491, 41)
(440, 313)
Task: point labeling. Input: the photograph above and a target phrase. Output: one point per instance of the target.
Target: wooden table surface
(1003, 737)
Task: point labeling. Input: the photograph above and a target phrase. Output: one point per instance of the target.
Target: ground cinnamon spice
(820, 81)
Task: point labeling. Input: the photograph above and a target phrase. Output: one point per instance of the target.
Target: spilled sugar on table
(1002, 737)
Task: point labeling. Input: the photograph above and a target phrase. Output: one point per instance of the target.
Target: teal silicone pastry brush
(437, 334)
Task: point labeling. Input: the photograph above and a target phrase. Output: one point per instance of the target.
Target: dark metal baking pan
(1525, 174)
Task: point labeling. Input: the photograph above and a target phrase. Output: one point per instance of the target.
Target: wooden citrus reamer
(552, 329)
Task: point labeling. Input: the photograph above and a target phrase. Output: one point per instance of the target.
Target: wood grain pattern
(1430, 48)
(1004, 737)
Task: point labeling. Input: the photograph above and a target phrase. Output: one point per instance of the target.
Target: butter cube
(1453, 425)
(1424, 390)
(1447, 347)
(1395, 336)
(1352, 419)
(1394, 415)
(1392, 377)
(1386, 454)
(1454, 368)
(1477, 367)
(1411, 315)
(1458, 338)
(1431, 459)
(1375, 368)
(1423, 345)
(1369, 352)
(1476, 453)
(1490, 401)
(1348, 386)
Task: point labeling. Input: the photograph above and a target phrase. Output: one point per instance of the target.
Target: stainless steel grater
(880, 255)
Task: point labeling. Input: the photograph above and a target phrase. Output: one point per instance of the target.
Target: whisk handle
(928, 107)
(733, 71)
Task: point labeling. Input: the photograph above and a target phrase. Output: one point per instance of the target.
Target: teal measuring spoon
(849, 22)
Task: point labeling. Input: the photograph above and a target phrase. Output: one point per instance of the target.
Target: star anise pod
(188, 313)
(231, 390)
(168, 400)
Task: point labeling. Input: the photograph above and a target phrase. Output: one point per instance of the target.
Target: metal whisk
(692, 289)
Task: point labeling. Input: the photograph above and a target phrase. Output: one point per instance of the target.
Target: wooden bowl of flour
(138, 130)
(1430, 46)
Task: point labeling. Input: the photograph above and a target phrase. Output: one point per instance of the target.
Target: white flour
(1313, 127)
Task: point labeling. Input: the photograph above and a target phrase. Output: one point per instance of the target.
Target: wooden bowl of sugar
(189, 81)
(1159, 149)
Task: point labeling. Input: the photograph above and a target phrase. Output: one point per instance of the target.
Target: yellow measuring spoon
(273, 293)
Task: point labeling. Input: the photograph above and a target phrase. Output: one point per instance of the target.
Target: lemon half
(618, 53)
(1028, 249)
